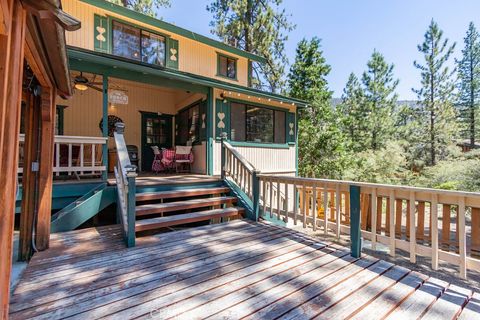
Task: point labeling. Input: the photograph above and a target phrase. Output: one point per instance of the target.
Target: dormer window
(227, 67)
(137, 44)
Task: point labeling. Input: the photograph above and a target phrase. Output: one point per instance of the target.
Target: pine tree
(380, 99)
(469, 82)
(143, 6)
(352, 113)
(436, 115)
(321, 145)
(259, 27)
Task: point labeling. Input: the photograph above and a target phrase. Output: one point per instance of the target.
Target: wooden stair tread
(147, 209)
(180, 193)
(163, 222)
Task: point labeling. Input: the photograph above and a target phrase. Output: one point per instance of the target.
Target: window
(227, 67)
(257, 124)
(189, 125)
(134, 43)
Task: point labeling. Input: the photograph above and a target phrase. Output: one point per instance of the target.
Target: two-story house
(171, 86)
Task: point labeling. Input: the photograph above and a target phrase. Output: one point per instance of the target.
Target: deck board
(230, 270)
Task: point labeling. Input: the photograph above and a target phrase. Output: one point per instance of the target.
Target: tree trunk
(472, 106)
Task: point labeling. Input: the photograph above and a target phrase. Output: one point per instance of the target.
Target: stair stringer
(84, 208)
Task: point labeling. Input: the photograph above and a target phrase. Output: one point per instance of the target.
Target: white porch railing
(74, 155)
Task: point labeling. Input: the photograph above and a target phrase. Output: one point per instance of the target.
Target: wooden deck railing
(125, 174)
(443, 225)
(74, 155)
(241, 172)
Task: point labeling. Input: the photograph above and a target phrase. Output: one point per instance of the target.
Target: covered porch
(240, 269)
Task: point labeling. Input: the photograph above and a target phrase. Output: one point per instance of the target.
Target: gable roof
(103, 4)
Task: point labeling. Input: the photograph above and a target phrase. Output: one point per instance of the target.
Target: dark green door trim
(146, 151)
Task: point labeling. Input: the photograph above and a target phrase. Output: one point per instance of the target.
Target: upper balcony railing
(74, 155)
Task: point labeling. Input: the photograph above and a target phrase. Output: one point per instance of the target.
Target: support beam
(210, 134)
(9, 156)
(45, 174)
(30, 147)
(105, 125)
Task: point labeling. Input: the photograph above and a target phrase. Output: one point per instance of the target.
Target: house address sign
(117, 97)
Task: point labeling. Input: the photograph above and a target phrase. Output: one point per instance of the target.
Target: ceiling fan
(82, 83)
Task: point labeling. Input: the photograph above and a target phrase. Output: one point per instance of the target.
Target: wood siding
(194, 57)
(267, 160)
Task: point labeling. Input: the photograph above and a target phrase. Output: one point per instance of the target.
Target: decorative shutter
(291, 128)
(222, 118)
(100, 33)
(203, 120)
(172, 53)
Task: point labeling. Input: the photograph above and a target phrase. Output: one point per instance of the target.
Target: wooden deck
(149, 179)
(232, 270)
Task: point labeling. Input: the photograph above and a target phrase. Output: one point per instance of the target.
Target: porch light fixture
(80, 82)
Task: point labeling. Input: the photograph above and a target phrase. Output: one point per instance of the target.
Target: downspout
(37, 93)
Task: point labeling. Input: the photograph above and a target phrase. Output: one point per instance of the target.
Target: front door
(156, 131)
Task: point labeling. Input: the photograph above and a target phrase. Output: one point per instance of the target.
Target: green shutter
(291, 129)
(203, 120)
(172, 53)
(222, 118)
(100, 33)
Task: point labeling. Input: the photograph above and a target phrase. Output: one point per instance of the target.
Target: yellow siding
(194, 57)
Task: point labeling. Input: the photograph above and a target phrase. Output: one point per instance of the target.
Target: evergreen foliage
(321, 143)
(259, 27)
(435, 118)
(143, 6)
(469, 83)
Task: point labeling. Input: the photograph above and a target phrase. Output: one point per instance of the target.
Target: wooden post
(222, 155)
(355, 233)
(45, 174)
(391, 222)
(31, 120)
(105, 126)
(434, 231)
(413, 240)
(462, 237)
(374, 219)
(256, 194)
(9, 133)
(475, 248)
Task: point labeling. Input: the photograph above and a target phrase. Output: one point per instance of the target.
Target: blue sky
(351, 29)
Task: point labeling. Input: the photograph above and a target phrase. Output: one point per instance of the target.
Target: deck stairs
(192, 204)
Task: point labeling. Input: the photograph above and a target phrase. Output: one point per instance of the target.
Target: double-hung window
(227, 67)
(137, 44)
(257, 124)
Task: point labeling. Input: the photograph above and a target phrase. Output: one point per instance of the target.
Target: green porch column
(105, 125)
(355, 233)
(210, 127)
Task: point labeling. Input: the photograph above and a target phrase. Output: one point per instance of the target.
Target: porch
(239, 269)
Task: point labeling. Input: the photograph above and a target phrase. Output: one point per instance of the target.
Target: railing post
(256, 193)
(355, 233)
(223, 137)
(131, 204)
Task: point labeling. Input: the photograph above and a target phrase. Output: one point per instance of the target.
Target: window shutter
(101, 33)
(172, 53)
(291, 128)
(222, 118)
(203, 120)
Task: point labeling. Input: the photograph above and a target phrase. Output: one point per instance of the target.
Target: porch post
(105, 126)
(355, 232)
(30, 147)
(210, 135)
(45, 172)
(11, 59)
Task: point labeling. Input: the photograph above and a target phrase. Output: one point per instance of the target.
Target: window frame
(255, 143)
(141, 29)
(198, 128)
(235, 61)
